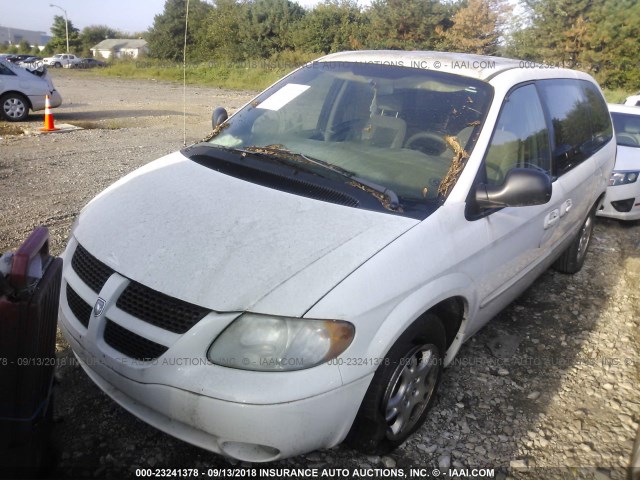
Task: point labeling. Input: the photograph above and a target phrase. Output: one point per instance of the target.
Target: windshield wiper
(391, 197)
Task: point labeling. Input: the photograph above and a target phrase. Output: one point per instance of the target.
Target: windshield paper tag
(283, 96)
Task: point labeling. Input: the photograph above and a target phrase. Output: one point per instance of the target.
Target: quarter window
(521, 138)
(601, 130)
(4, 70)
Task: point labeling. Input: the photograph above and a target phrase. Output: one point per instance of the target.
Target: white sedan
(622, 200)
(22, 89)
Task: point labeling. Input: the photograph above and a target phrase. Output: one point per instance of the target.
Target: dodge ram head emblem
(99, 307)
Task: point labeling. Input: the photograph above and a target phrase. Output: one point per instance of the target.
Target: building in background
(13, 36)
(120, 48)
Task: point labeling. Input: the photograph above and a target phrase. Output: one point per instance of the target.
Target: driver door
(519, 237)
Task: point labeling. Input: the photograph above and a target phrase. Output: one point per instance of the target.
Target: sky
(126, 15)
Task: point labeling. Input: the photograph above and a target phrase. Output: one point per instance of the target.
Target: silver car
(22, 90)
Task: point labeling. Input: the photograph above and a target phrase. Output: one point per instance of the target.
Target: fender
(400, 316)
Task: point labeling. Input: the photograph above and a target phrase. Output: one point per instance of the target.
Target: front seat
(385, 129)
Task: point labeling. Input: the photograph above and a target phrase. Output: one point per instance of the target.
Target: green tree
(477, 27)
(58, 42)
(332, 26)
(612, 44)
(223, 30)
(24, 47)
(407, 24)
(558, 28)
(166, 36)
(601, 37)
(520, 36)
(269, 27)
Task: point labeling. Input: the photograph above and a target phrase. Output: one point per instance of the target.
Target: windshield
(404, 129)
(627, 128)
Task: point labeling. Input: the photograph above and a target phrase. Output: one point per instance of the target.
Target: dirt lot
(547, 390)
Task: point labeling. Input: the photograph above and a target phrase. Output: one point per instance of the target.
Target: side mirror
(522, 187)
(218, 117)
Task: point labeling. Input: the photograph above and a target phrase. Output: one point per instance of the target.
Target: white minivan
(302, 276)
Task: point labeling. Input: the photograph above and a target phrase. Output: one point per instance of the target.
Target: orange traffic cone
(48, 117)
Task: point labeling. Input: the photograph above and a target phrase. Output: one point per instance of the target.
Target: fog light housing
(623, 205)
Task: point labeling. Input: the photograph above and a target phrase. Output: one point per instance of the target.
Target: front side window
(627, 129)
(520, 139)
(406, 130)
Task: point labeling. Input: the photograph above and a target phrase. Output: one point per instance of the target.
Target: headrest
(632, 126)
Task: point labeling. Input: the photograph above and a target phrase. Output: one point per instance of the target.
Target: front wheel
(402, 390)
(15, 107)
(572, 259)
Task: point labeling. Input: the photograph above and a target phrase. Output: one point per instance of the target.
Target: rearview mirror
(522, 187)
(218, 117)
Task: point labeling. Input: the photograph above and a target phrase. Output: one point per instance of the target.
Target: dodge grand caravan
(302, 276)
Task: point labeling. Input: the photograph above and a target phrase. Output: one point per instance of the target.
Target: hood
(213, 240)
(628, 158)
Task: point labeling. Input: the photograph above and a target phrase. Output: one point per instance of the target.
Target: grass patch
(248, 75)
(9, 129)
(616, 96)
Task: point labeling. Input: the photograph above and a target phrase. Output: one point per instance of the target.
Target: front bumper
(38, 101)
(247, 432)
(619, 193)
(251, 416)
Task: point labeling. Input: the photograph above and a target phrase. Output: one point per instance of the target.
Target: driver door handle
(551, 218)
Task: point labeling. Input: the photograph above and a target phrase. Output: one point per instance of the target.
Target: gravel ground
(547, 390)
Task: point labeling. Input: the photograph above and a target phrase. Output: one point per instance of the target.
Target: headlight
(622, 178)
(269, 343)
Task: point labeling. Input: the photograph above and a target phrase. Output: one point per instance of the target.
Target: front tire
(572, 259)
(15, 107)
(402, 390)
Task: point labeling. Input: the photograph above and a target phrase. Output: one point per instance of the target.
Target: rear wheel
(402, 390)
(572, 259)
(15, 107)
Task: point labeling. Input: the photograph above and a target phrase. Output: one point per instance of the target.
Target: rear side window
(579, 118)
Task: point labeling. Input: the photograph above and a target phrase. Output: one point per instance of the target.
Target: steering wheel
(427, 143)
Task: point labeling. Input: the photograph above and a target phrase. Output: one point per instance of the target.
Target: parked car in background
(88, 63)
(30, 61)
(61, 60)
(304, 275)
(17, 58)
(623, 193)
(633, 100)
(22, 90)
